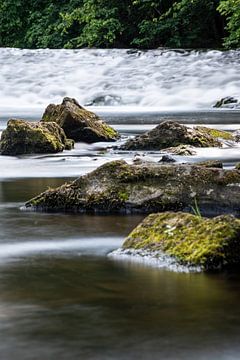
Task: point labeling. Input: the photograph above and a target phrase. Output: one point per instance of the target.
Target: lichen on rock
(191, 240)
(24, 137)
(78, 123)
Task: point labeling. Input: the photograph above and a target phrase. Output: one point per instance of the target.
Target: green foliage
(113, 23)
(186, 24)
(195, 208)
(98, 24)
(231, 9)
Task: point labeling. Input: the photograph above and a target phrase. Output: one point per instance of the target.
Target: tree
(231, 9)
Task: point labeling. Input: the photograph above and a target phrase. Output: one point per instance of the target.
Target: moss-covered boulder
(171, 134)
(145, 188)
(191, 240)
(78, 123)
(23, 137)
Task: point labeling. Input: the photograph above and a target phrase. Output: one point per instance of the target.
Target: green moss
(146, 188)
(123, 195)
(78, 123)
(22, 137)
(109, 131)
(217, 134)
(193, 240)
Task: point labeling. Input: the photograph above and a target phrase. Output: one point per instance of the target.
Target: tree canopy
(127, 23)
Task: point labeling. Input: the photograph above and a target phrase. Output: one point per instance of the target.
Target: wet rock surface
(171, 134)
(192, 240)
(228, 102)
(78, 123)
(23, 137)
(145, 188)
(210, 164)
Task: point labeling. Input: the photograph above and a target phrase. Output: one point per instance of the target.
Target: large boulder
(78, 123)
(23, 137)
(145, 188)
(192, 240)
(172, 134)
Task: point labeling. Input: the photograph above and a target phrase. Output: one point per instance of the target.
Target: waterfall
(127, 79)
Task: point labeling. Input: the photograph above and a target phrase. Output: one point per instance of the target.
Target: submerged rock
(172, 134)
(145, 188)
(191, 240)
(78, 123)
(167, 159)
(23, 137)
(226, 102)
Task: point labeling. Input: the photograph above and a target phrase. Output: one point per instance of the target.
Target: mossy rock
(145, 188)
(210, 164)
(171, 134)
(78, 123)
(191, 240)
(23, 137)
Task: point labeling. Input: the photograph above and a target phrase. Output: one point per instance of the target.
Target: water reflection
(95, 308)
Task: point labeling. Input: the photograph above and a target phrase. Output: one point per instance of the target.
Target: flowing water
(61, 296)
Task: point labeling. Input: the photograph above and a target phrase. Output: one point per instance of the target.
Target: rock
(23, 137)
(105, 100)
(145, 188)
(210, 164)
(236, 135)
(172, 134)
(237, 167)
(192, 240)
(181, 150)
(226, 102)
(167, 159)
(78, 123)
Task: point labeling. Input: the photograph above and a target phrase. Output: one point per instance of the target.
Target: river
(61, 296)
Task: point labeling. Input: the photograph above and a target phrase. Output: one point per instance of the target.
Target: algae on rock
(191, 240)
(171, 134)
(24, 137)
(78, 123)
(145, 188)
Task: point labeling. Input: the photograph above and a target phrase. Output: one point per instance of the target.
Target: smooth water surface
(61, 297)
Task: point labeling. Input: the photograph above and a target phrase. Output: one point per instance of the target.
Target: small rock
(167, 159)
(227, 102)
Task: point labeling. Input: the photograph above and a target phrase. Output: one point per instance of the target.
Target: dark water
(62, 297)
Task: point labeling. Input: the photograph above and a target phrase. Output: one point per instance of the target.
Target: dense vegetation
(126, 23)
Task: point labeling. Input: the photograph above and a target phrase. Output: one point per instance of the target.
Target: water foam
(119, 78)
